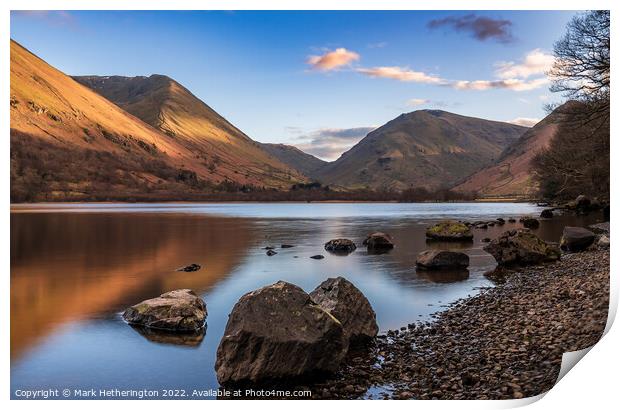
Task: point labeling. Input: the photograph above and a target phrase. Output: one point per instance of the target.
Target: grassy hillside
(427, 148)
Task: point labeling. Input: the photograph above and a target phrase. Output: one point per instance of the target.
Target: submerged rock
(378, 241)
(271, 252)
(576, 239)
(348, 304)
(317, 257)
(278, 332)
(529, 222)
(449, 231)
(440, 259)
(179, 310)
(521, 247)
(189, 268)
(341, 245)
(286, 246)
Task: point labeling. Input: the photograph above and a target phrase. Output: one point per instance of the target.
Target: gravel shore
(506, 342)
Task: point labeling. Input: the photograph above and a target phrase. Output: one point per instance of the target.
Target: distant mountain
(426, 148)
(218, 145)
(295, 158)
(511, 174)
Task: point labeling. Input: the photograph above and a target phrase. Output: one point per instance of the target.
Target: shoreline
(506, 342)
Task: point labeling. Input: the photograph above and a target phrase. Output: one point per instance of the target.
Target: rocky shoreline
(504, 343)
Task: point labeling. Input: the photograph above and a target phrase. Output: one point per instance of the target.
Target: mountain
(425, 148)
(510, 175)
(295, 158)
(69, 142)
(218, 145)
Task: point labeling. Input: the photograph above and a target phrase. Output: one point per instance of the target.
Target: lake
(76, 267)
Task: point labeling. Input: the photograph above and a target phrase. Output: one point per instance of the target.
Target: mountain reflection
(67, 267)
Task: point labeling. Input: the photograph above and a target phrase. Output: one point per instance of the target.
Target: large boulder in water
(179, 310)
(449, 231)
(521, 247)
(278, 332)
(529, 222)
(576, 239)
(341, 245)
(378, 241)
(439, 259)
(348, 304)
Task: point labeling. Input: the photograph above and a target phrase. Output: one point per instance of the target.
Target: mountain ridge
(170, 107)
(423, 148)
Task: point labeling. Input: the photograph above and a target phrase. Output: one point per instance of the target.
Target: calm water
(74, 268)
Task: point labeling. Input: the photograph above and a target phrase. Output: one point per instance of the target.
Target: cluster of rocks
(582, 205)
(376, 242)
(506, 342)
(281, 333)
(487, 224)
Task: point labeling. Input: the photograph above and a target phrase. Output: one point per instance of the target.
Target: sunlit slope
(47, 104)
(511, 174)
(426, 148)
(167, 105)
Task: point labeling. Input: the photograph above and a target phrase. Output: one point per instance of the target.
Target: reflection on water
(190, 339)
(444, 275)
(74, 268)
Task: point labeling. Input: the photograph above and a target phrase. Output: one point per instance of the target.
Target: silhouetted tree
(577, 159)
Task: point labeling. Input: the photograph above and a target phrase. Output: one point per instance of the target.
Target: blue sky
(318, 80)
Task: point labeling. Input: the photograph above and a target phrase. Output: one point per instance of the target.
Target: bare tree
(577, 159)
(582, 62)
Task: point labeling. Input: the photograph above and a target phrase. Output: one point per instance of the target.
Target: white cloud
(332, 60)
(536, 62)
(525, 122)
(400, 74)
(414, 102)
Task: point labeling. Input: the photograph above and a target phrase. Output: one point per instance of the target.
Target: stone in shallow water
(440, 259)
(576, 239)
(530, 223)
(449, 231)
(341, 245)
(348, 304)
(189, 268)
(378, 241)
(521, 247)
(278, 332)
(179, 310)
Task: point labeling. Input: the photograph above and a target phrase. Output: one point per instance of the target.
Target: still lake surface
(76, 267)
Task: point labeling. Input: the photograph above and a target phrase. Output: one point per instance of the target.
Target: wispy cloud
(333, 60)
(400, 74)
(514, 84)
(479, 27)
(380, 44)
(330, 143)
(536, 62)
(525, 122)
(417, 102)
